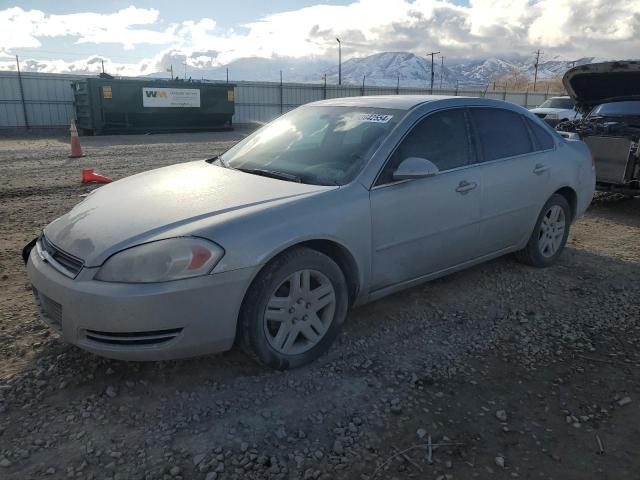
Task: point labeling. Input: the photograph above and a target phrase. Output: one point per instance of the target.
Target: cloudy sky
(143, 36)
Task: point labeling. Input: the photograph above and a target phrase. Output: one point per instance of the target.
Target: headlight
(552, 116)
(162, 261)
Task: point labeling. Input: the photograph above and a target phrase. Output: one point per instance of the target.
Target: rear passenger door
(515, 175)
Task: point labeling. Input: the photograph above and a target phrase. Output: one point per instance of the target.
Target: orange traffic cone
(89, 177)
(76, 149)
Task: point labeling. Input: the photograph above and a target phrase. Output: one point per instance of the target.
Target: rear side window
(501, 133)
(543, 139)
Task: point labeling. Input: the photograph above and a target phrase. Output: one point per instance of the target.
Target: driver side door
(424, 226)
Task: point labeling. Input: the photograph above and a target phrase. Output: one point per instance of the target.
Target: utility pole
(172, 71)
(227, 74)
(24, 105)
(535, 75)
(363, 77)
(102, 62)
(281, 94)
(339, 61)
(432, 72)
(398, 86)
(324, 90)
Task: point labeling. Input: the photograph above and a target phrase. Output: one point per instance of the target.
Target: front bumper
(157, 321)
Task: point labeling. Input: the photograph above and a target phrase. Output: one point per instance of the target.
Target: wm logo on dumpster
(155, 94)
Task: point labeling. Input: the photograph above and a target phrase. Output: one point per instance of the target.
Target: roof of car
(400, 102)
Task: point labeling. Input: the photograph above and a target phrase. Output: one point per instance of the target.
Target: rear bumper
(629, 188)
(158, 321)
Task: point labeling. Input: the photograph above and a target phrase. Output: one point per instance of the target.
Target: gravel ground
(505, 370)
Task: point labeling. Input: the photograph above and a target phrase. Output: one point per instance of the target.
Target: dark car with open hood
(608, 96)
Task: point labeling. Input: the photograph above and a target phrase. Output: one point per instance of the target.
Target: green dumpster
(106, 106)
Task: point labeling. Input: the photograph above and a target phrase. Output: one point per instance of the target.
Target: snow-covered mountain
(385, 69)
(260, 70)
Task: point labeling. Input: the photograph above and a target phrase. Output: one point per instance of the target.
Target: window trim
(470, 141)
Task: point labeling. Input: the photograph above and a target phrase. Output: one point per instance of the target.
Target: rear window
(502, 133)
(543, 138)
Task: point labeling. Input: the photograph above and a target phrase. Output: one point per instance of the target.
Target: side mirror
(415, 167)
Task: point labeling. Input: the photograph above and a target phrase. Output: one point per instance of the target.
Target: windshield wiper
(272, 174)
(218, 159)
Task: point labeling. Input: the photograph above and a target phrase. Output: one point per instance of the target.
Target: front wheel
(294, 309)
(549, 235)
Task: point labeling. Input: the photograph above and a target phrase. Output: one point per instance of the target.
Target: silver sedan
(334, 204)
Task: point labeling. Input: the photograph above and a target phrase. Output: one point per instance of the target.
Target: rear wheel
(549, 235)
(294, 309)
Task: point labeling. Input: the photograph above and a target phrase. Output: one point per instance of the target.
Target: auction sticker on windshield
(375, 118)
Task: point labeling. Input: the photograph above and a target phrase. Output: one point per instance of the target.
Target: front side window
(316, 144)
(501, 133)
(442, 138)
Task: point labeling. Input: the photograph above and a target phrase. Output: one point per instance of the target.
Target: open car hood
(596, 83)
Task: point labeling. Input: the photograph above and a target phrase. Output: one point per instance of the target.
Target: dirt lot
(511, 372)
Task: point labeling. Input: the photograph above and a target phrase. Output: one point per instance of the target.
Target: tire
(539, 253)
(273, 305)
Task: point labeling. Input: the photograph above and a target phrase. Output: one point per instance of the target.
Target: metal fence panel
(301, 94)
(49, 98)
(536, 99)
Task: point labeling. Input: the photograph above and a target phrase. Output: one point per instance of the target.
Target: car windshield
(615, 109)
(323, 145)
(564, 103)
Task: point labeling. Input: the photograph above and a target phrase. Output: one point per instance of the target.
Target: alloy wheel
(299, 312)
(552, 230)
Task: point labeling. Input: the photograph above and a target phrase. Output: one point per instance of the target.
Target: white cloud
(565, 28)
(25, 28)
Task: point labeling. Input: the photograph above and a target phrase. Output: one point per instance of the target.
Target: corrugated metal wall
(49, 98)
(260, 102)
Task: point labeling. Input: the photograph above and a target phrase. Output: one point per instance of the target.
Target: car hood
(550, 111)
(596, 83)
(146, 206)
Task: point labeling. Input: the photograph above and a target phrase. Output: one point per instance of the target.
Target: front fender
(341, 216)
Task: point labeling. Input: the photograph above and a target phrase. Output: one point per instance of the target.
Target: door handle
(465, 187)
(540, 168)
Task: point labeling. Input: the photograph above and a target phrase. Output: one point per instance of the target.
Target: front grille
(50, 309)
(153, 337)
(70, 264)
